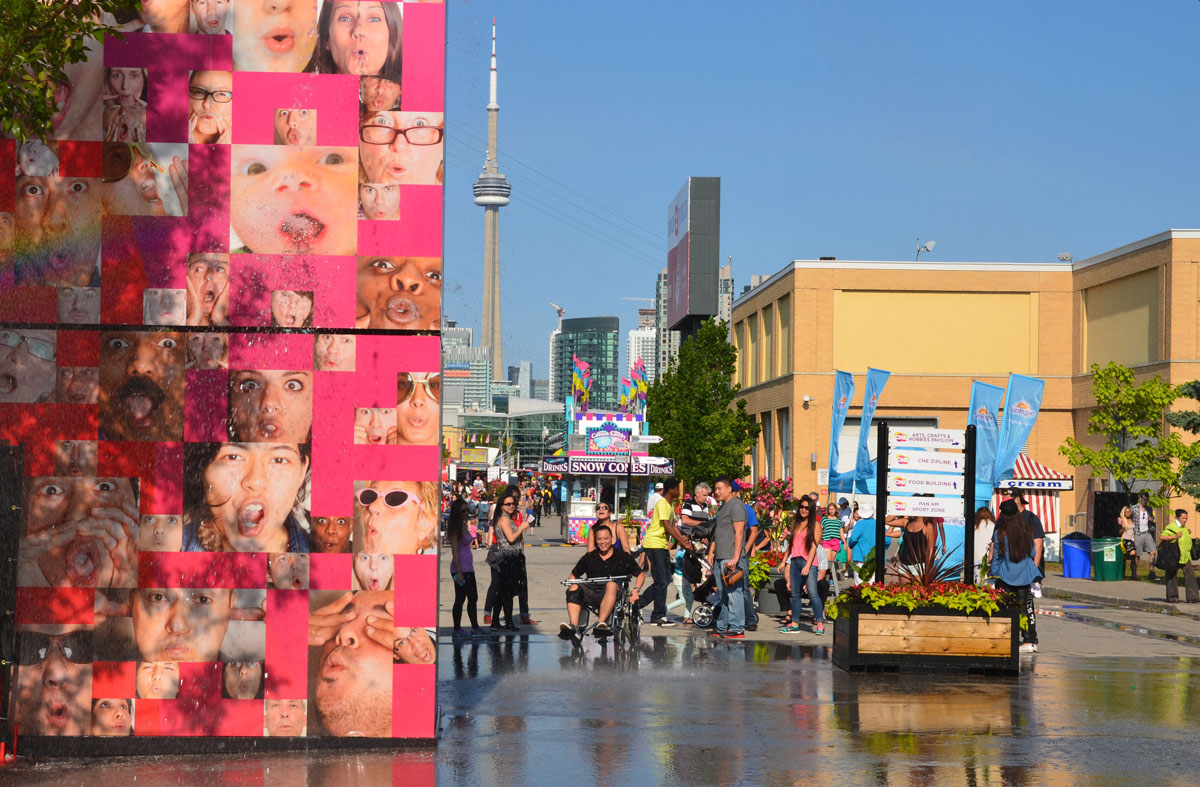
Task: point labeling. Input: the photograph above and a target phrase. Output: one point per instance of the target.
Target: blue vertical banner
(1022, 403)
(984, 415)
(864, 469)
(843, 392)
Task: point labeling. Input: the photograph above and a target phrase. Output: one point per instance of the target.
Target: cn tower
(491, 192)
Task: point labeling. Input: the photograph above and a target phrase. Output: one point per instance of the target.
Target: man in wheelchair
(601, 562)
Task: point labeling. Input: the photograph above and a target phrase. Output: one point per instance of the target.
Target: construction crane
(643, 300)
(560, 311)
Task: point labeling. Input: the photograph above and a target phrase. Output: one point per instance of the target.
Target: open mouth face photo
(75, 457)
(353, 683)
(380, 201)
(180, 624)
(379, 94)
(419, 396)
(242, 680)
(208, 289)
(267, 406)
(164, 307)
(403, 293)
(52, 691)
(288, 571)
(414, 646)
(136, 182)
(358, 37)
(56, 232)
(160, 533)
(210, 106)
(79, 532)
(374, 572)
(210, 16)
(35, 157)
(397, 517)
(125, 86)
(402, 147)
(331, 534)
(291, 309)
(112, 716)
(276, 37)
(295, 127)
(157, 680)
(286, 717)
(295, 200)
(79, 305)
(27, 372)
(208, 351)
(251, 489)
(334, 352)
(141, 385)
(374, 426)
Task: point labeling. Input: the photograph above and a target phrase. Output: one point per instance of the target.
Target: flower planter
(893, 639)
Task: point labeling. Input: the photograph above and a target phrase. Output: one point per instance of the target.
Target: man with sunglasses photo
(397, 517)
(417, 410)
(52, 694)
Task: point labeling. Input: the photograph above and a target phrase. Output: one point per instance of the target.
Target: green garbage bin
(1108, 560)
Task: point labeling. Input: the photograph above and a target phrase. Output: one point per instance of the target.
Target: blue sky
(1004, 131)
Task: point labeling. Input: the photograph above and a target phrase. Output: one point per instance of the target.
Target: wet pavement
(1112, 698)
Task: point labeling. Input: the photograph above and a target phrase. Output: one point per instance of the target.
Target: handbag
(732, 574)
(1168, 556)
(493, 556)
(1196, 549)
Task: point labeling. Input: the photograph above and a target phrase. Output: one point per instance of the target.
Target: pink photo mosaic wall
(220, 289)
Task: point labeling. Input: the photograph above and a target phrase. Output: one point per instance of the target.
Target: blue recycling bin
(1077, 558)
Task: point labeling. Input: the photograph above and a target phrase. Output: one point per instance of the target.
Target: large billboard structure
(219, 384)
(693, 254)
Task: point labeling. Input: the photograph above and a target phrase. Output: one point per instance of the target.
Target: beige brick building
(937, 326)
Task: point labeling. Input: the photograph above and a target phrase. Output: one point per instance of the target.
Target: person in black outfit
(603, 561)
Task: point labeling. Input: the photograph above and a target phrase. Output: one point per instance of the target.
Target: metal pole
(881, 472)
(969, 508)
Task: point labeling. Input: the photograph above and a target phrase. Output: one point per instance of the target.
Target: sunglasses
(432, 383)
(33, 647)
(117, 160)
(38, 348)
(392, 499)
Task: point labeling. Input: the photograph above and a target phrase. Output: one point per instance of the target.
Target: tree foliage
(1137, 444)
(696, 410)
(38, 40)
(1189, 421)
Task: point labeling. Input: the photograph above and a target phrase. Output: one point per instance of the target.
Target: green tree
(1137, 444)
(696, 410)
(38, 40)
(1189, 420)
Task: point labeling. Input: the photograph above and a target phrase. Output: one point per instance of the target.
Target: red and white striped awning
(1027, 469)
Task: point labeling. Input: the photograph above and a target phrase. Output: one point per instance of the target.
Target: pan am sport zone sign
(945, 507)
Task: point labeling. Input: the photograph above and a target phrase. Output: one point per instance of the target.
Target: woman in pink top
(803, 551)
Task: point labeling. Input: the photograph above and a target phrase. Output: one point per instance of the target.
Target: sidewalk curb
(1111, 601)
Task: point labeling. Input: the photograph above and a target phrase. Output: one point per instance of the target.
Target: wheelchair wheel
(620, 632)
(702, 615)
(634, 619)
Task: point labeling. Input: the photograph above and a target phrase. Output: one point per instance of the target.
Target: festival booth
(600, 447)
(1041, 485)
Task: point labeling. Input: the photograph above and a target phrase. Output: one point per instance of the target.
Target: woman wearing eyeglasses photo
(397, 518)
(210, 107)
(418, 397)
(401, 147)
(27, 365)
(508, 576)
(246, 497)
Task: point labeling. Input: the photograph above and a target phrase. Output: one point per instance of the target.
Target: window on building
(755, 347)
(754, 452)
(768, 323)
(766, 439)
(784, 307)
(785, 443)
(739, 345)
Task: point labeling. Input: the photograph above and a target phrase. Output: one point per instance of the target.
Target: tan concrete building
(936, 326)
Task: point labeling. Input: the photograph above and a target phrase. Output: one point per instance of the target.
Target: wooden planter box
(895, 640)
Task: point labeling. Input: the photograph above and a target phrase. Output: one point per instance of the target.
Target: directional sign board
(925, 506)
(926, 483)
(648, 439)
(936, 461)
(927, 438)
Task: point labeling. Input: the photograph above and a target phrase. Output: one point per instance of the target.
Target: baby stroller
(697, 569)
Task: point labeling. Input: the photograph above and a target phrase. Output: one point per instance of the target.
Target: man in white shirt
(655, 496)
(1144, 532)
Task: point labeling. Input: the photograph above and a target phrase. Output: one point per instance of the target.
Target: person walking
(658, 554)
(985, 527)
(751, 539)
(1014, 567)
(1144, 530)
(1178, 532)
(800, 567)
(1126, 526)
(727, 554)
(462, 568)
